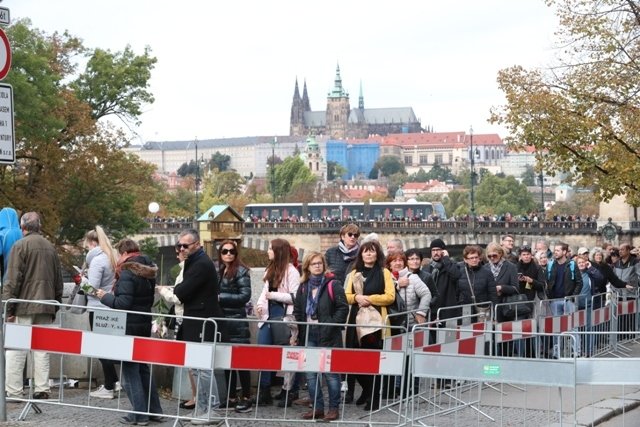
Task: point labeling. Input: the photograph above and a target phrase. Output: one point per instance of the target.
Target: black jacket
(539, 283)
(572, 279)
(337, 264)
(328, 311)
(134, 291)
(199, 292)
(445, 274)
(235, 292)
(484, 286)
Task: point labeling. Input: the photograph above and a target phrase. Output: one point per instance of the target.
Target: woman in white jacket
(100, 265)
(281, 281)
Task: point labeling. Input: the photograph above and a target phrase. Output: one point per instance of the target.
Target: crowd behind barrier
(433, 361)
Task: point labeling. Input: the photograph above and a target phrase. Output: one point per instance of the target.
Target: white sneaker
(117, 387)
(343, 386)
(203, 418)
(102, 393)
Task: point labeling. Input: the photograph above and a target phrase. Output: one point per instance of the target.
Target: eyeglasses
(316, 264)
(184, 245)
(493, 256)
(226, 251)
(473, 257)
(356, 235)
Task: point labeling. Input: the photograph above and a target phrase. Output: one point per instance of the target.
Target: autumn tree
(292, 178)
(582, 115)
(68, 164)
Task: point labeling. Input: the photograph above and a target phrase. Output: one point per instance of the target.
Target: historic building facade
(340, 121)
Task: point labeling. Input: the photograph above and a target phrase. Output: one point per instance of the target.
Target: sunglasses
(184, 245)
(356, 235)
(226, 251)
(493, 256)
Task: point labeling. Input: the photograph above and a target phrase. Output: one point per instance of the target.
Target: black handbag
(398, 306)
(517, 303)
(280, 331)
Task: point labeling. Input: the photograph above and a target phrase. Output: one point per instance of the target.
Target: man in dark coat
(445, 274)
(199, 293)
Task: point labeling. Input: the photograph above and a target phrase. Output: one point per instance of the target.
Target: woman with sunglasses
(281, 281)
(340, 257)
(235, 293)
(320, 300)
(369, 284)
(504, 272)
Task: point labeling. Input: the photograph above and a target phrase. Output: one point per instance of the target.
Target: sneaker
(203, 418)
(244, 405)
(344, 387)
(41, 395)
(127, 421)
(102, 393)
(117, 387)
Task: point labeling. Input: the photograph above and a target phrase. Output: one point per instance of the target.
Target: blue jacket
(10, 232)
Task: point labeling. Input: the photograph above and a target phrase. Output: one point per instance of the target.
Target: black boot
(287, 401)
(265, 396)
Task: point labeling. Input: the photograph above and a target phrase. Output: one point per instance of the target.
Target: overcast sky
(228, 68)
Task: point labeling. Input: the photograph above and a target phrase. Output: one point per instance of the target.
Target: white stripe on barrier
(117, 347)
(579, 319)
(601, 315)
(198, 354)
(509, 331)
(627, 307)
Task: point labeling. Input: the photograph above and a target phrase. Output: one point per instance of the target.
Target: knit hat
(437, 243)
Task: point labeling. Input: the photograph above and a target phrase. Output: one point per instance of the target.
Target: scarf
(348, 254)
(315, 282)
(495, 268)
(122, 260)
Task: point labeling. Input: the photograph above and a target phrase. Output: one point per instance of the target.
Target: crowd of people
(354, 295)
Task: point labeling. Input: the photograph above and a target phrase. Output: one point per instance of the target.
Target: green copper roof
(338, 91)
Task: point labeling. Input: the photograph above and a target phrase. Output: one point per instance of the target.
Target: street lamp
(273, 171)
(197, 211)
(541, 195)
(473, 178)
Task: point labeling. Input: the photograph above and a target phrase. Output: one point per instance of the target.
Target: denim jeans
(559, 308)
(315, 386)
(207, 388)
(141, 390)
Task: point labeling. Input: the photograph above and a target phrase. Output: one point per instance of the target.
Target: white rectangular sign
(7, 134)
(110, 322)
(4, 16)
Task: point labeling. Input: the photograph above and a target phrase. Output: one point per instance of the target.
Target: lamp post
(197, 211)
(473, 177)
(273, 171)
(542, 210)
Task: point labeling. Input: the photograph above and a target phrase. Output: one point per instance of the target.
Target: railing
(517, 227)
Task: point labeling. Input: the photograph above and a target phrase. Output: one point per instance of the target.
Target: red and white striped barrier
(556, 324)
(473, 346)
(201, 355)
(601, 315)
(579, 319)
(627, 307)
(509, 331)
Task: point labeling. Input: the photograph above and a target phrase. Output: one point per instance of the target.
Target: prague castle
(340, 121)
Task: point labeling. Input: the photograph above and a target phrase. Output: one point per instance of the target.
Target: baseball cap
(582, 250)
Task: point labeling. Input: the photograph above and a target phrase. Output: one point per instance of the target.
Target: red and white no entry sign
(5, 54)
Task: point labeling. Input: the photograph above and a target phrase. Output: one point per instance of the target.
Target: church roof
(315, 118)
(390, 115)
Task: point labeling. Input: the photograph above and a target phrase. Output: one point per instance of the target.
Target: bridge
(414, 234)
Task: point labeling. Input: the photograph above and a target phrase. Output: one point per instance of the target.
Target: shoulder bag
(483, 312)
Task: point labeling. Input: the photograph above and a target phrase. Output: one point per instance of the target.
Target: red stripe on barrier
(564, 323)
(467, 346)
(356, 362)
(396, 342)
(527, 328)
(256, 358)
(436, 348)
(419, 339)
(548, 325)
(56, 340)
(159, 351)
(506, 332)
(478, 328)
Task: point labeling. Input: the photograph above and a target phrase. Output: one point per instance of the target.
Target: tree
(495, 195)
(583, 115)
(68, 165)
(219, 187)
(420, 176)
(186, 169)
(457, 203)
(529, 176)
(219, 161)
(388, 165)
(335, 171)
(441, 174)
(291, 175)
(583, 204)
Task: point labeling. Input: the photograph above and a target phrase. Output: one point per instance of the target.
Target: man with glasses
(508, 243)
(199, 292)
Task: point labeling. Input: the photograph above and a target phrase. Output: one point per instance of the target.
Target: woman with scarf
(339, 260)
(369, 287)
(134, 291)
(281, 281)
(320, 300)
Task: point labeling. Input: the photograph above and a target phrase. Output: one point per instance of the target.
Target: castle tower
(314, 160)
(337, 109)
(306, 106)
(296, 122)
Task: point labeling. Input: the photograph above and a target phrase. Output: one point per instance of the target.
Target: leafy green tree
(68, 165)
(495, 195)
(219, 187)
(420, 176)
(220, 161)
(292, 174)
(457, 203)
(583, 113)
(389, 165)
(186, 169)
(396, 181)
(583, 204)
(442, 174)
(335, 171)
(529, 176)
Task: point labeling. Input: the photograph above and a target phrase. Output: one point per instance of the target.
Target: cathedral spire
(338, 90)
(306, 106)
(361, 98)
(296, 92)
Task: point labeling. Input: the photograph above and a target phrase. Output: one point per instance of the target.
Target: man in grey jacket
(34, 273)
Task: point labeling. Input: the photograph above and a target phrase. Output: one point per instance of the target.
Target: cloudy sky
(227, 69)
